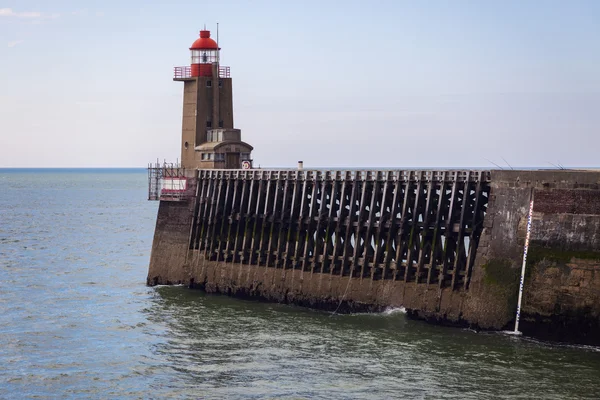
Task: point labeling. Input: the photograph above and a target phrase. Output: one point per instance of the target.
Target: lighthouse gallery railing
(186, 72)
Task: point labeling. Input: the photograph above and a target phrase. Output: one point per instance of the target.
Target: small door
(232, 161)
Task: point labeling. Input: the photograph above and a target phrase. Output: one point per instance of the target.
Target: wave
(163, 286)
(394, 310)
(387, 312)
(550, 343)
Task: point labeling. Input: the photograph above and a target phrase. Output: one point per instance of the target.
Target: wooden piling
(367, 224)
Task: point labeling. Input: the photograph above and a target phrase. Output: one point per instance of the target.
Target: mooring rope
(344, 296)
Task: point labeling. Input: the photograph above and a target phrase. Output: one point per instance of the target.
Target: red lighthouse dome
(204, 42)
(205, 52)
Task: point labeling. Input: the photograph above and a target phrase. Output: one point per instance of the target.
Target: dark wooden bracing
(414, 226)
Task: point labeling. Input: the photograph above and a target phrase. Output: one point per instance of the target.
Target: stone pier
(446, 245)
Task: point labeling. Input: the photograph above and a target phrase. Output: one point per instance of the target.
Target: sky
(389, 84)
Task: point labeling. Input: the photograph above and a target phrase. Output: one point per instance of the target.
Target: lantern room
(205, 52)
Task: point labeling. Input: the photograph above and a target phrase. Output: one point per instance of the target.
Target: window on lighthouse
(204, 56)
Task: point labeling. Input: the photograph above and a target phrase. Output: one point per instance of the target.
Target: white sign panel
(173, 184)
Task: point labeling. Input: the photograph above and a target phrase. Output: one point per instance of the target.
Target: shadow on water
(231, 347)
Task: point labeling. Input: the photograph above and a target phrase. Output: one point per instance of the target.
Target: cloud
(14, 43)
(8, 12)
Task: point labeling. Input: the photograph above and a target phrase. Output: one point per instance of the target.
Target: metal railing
(224, 72)
(186, 72)
(349, 175)
(167, 181)
(182, 72)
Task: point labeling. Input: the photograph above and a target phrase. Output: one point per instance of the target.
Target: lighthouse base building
(448, 245)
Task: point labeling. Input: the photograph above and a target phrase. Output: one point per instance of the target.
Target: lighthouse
(208, 137)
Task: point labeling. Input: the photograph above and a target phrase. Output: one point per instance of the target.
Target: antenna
(554, 165)
(218, 48)
(490, 161)
(507, 163)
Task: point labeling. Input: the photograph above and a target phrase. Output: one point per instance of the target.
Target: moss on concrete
(540, 258)
(499, 271)
(500, 275)
(559, 256)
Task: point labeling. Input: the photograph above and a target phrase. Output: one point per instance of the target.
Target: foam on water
(528, 339)
(168, 286)
(512, 333)
(394, 310)
(385, 313)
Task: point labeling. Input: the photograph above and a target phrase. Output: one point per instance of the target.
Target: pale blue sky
(334, 83)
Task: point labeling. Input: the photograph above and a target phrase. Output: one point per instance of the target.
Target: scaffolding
(167, 181)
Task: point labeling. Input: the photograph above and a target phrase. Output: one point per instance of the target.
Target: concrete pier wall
(446, 245)
(562, 285)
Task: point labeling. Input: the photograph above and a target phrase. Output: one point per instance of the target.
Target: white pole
(527, 236)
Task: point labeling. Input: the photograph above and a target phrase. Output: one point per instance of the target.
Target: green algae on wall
(559, 256)
(499, 271)
(503, 278)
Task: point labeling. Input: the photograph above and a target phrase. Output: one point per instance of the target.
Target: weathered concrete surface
(170, 244)
(562, 286)
(323, 291)
(204, 101)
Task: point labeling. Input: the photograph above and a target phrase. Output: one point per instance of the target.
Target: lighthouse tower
(208, 138)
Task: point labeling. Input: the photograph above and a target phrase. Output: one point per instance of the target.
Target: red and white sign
(170, 185)
(246, 164)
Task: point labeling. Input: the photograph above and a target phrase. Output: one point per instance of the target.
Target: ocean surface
(77, 321)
